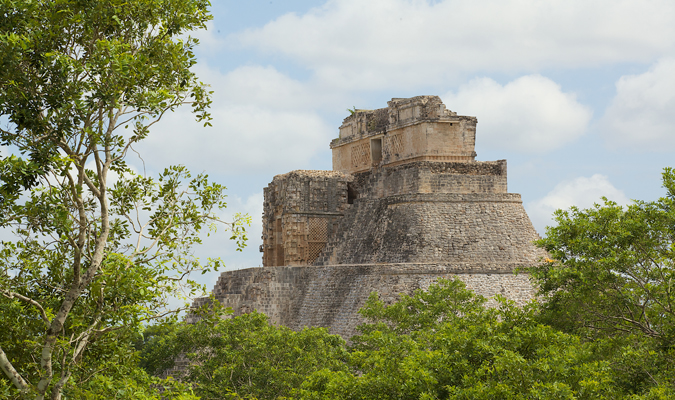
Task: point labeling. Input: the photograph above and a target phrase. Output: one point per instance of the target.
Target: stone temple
(405, 204)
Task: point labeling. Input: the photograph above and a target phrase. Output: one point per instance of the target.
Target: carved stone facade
(415, 129)
(301, 210)
(405, 204)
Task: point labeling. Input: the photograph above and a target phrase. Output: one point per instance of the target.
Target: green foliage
(437, 344)
(135, 385)
(131, 284)
(98, 249)
(108, 370)
(125, 381)
(244, 356)
(70, 67)
(613, 277)
(444, 344)
(604, 330)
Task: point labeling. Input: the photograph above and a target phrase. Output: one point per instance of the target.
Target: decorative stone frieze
(415, 129)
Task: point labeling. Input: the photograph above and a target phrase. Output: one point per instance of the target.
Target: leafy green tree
(98, 250)
(612, 277)
(243, 356)
(445, 344)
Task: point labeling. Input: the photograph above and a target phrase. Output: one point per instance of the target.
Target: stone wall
(434, 227)
(436, 204)
(301, 210)
(415, 129)
(432, 177)
(330, 296)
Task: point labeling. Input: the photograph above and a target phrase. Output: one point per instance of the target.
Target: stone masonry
(301, 210)
(405, 205)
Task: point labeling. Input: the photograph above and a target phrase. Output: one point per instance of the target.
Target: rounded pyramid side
(491, 229)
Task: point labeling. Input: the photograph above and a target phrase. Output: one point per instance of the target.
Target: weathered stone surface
(414, 129)
(432, 177)
(406, 204)
(300, 211)
(434, 227)
(330, 296)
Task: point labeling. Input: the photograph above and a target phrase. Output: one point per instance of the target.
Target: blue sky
(578, 96)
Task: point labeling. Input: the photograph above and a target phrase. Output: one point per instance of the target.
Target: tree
(243, 356)
(99, 250)
(442, 343)
(611, 275)
(445, 344)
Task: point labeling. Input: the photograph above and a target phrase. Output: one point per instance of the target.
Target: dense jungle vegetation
(604, 328)
(99, 252)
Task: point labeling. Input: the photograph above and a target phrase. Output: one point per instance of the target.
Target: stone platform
(330, 296)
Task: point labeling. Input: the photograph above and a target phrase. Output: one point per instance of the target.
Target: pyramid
(406, 204)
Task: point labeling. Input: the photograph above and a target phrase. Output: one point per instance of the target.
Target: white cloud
(385, 43)
(581, 192)
(219, 244)
(642, 114)
(264, 87)
(530, 114)
(209, 42)
(244, 137)
(253, 206)
(262, 121)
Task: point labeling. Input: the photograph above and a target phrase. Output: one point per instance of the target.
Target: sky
(577, 96)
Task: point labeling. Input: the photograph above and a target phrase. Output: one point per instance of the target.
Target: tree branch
(13, 295)
(12, 374)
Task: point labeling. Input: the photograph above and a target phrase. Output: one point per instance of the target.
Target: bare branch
(150, 318)
(14, 295)
(124, 151)
(83, 339)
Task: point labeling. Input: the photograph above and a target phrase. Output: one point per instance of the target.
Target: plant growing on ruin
(98, 250)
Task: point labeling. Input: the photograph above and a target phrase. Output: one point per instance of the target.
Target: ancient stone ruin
(405, 204)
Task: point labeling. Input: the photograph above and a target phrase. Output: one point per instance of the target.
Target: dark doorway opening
(352, 194)
(376, 151)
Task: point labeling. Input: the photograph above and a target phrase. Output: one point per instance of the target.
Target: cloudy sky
(578, 96)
